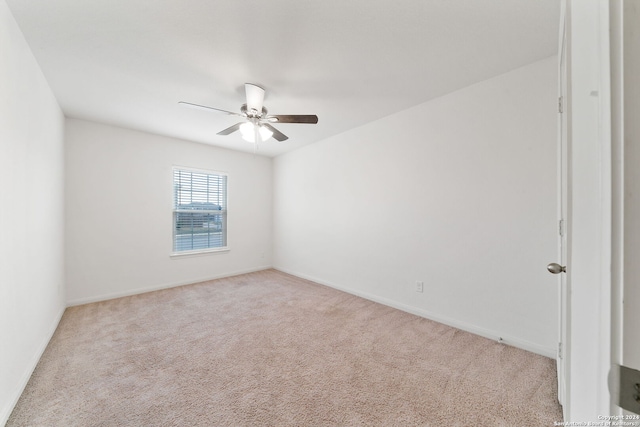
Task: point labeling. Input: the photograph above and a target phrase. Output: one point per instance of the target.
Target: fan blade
(202, 107)
(310, 119)
(230, 129)
(255, 97)
(279, 136)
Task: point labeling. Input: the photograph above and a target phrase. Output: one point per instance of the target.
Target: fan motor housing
(252, 113)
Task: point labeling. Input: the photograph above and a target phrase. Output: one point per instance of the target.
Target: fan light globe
(249, 133)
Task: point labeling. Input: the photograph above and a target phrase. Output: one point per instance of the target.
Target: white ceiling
(129, 62)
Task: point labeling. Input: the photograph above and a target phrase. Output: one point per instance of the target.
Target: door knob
(556, 268)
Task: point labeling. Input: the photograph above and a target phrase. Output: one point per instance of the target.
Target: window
(199, 211)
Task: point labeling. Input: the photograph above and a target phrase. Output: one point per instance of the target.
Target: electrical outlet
(419, 286)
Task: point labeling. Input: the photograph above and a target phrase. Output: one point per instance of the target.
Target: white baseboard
(486, 333)
(7, 408)
(104, 297)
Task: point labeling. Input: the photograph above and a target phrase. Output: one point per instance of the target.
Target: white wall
(118, 211)
(459, 192)
(31, 212)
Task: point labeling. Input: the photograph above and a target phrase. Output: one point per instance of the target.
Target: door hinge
(561, 227)
(624, 386)
(560, 105)
(559, 350)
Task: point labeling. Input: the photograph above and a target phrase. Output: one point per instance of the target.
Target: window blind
(199, 210)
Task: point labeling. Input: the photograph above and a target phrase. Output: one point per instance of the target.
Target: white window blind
(199, 210)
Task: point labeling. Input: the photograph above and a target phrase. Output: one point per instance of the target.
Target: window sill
(199, 252)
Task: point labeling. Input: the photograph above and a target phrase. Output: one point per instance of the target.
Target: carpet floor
(270, 349)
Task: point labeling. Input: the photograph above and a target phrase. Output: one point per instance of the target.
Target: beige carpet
(269, 349)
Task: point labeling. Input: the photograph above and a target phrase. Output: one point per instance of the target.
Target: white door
(563, 230)
(625, 96)
(630, 329)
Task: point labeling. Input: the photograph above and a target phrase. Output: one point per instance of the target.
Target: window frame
(174, 211)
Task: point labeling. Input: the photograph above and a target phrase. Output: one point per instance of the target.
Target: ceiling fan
(257, 124)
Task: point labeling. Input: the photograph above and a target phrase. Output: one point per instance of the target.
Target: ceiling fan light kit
(248, 131)
(257, 125)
